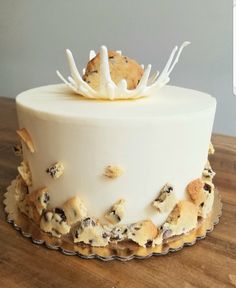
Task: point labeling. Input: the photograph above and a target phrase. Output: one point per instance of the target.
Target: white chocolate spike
(74, 71)
(92, 54)
(66, 82)
(168, 64)
(122, 87)
(143, 81)
(142, 66)
(119, 52)
(186, 43)
(105, 76)
(111, 91)
(153, 78)
(71, 80)
(84, 71)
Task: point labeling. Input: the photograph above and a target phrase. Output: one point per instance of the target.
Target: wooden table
(209, 263)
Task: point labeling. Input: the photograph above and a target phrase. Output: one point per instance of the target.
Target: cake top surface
(58, 100)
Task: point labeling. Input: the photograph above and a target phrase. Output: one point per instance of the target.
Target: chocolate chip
(126, 60)
(88, 222)
(116, 237)
(61, 213)
(202, 204)
(52, 171)
(46, 198)
(90, 241)
(111, 57)
(137, 228)
(45, 216)
(168, 189)
(105, 235)
(207, 187)
(138, 81)
(56, 231)
(149, 243)
(77, 234)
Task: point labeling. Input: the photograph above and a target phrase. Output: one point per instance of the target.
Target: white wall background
(35, 33)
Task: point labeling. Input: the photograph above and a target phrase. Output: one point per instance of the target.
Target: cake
(115, 155)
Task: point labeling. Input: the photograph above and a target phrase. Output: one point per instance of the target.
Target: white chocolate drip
(108, 89)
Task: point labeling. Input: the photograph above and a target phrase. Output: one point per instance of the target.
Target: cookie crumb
(211, 149)
(116, 213)
(166, 199)
(113, 172)
(56, 170)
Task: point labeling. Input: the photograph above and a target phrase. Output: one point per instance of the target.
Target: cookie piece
(54, 222)
(118, 233)
(39, 198)
(25, 173)
(202, 194)
(26, 138)
(34, 204)
(211, 149)
(116, 213)
(208, 174)
(182, 219)
(90, 232)
(17, 149)
(74, 210)
(143, 233)
(121, 67)
(21, 189)
(195, 191)
(113, 171)
(166, 199)
(56, 170)
(206, 206)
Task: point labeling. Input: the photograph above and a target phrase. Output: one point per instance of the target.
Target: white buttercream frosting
(108, 89)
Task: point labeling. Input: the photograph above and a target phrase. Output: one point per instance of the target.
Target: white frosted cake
(129, 164)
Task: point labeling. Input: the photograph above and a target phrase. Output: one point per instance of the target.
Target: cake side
(129, 155)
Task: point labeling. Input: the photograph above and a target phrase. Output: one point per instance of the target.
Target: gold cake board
(125, 250)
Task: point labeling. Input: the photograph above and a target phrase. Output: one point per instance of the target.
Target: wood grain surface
(209, 263)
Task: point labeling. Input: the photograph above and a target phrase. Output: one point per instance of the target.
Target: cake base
(125, 250)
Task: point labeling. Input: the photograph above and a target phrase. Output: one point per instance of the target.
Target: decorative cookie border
(121, 251)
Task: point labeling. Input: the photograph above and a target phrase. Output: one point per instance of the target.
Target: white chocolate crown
(108, 89)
